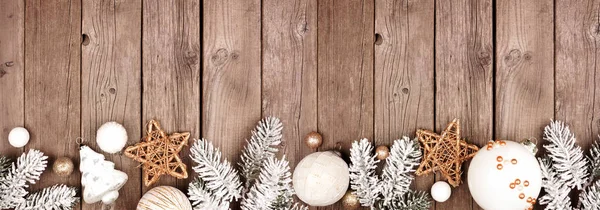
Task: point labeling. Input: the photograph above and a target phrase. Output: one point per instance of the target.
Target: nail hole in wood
(112, 90)
(378, 39)
(85, 39)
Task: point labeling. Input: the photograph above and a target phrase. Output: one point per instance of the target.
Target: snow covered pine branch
(15, 179)
(267, 180)
(391, 191)
(566, 168)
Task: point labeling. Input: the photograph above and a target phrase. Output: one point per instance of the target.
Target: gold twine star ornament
(445, 152)
(159, 153)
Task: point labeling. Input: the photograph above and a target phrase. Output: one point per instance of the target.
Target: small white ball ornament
(18, 137)
(321, 178)
(111, 137)
(504, 175)
(164, 198)
(441, 191)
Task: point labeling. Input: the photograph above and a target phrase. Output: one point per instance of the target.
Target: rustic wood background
(349, 69)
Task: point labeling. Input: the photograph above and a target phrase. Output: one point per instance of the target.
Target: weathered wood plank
(577, 70)
(404, 67)
(111, 82)
(464, 60)
(171, 72)
(524, 68)
(345, 71)
(231, 73)
(52, 87)
(12, 72)
(289, 74)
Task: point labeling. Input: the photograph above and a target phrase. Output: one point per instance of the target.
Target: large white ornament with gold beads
(321, 178)
(505, 175)
(164, 198)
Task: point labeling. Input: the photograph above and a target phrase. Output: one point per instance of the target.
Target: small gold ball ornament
(382, 152)
(63, 166)
(313, 140)
(350, 201)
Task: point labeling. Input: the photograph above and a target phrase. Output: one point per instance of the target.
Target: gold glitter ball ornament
(63, 166)
(313, 140)
(382, 152)
(350, 201)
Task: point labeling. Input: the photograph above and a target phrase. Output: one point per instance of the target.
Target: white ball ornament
(164, 198)
(441, 191)
(18, 137)
(504, 175)
(111, 137)
(321, 178)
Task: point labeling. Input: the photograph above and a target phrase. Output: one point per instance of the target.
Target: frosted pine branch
(4, 166)
(590, 197)
(405, 155)
(595, 160)
(414, 200)
(273, 188)
(557, 192)
(363, 180)
(567, 158)
(58, 197)
(202, 199)
(298, 207)
(219, 178)
(261, 146)
(28, 169)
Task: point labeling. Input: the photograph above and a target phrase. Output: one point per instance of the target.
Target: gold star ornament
(159, 153)
(445, 152)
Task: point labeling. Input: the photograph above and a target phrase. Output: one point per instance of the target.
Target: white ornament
(321, 178)
(504, 175)
(111, 137)
(164, 198)
(99, 179)
(440, 191)
(18, 137)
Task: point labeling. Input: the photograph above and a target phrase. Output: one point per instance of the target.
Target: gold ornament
(350, 201)
(445, 152)
(63, 166)
(382, 152)
(159, 153)
(313, 140)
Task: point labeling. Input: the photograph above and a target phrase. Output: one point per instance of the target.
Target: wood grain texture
(111, 82)
(289, 73)
(345, 73)
(52, 83)
(464, 59)
(171, 72)
(577, 69)
(12, 72)
(231, 73)
(524, 68)
(404, 68)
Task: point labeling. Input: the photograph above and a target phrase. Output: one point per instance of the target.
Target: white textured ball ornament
(111, 137)
(441, 191)
(321, 178)
(164, 198)
(504, 175)
(18, 137)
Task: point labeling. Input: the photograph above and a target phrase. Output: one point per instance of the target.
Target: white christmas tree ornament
(100, 180)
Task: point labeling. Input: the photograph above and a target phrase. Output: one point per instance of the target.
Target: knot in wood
(220, 57)
(513, 57)
(484, 58)
(191, 57)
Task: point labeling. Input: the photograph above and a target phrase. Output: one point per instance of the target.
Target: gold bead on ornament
(63, 166)
(313, 140)
(350, 201)
(382, 152)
